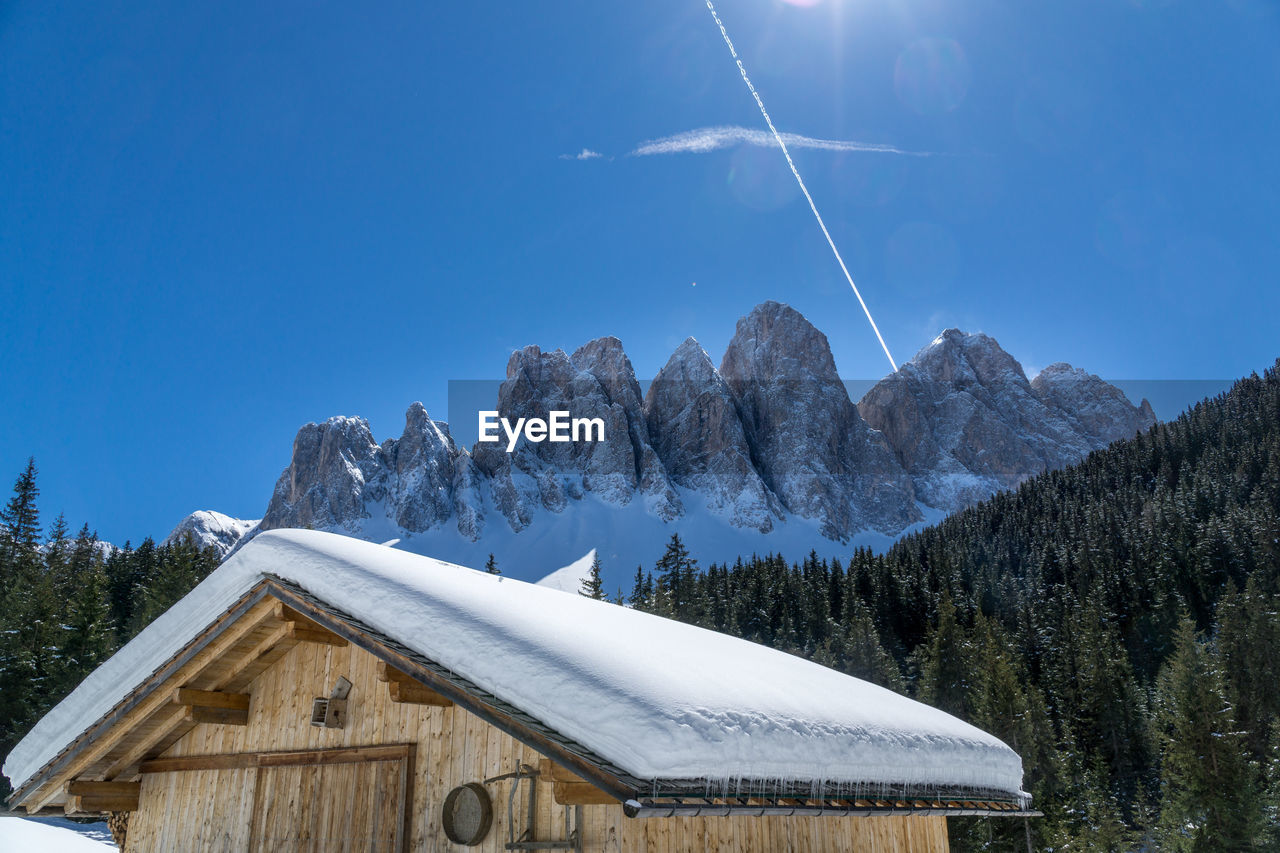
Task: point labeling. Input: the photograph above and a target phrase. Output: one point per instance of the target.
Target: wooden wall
(212, 809)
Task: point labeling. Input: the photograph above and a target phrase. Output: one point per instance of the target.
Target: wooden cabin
(317, 693)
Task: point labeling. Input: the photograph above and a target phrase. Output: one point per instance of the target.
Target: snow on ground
(569, 579)
(659, 698)
(624, 536)
(53, 835)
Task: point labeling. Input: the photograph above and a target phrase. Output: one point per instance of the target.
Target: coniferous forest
(67, 603)
(1117, 623)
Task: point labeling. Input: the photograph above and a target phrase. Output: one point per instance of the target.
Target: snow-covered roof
(657, 698)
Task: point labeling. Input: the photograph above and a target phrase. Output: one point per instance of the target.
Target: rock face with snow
(699, 438)
(339, 476)
(768, 443)
(597, 381)
(807, 440)
(1096, 408)
(210, 529)
(964, 421)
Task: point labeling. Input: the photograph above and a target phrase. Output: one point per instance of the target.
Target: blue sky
(222, 221)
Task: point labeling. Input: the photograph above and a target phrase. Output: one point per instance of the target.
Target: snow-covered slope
(26, 835)
(596, 673)
(569, 579)
(212, 529)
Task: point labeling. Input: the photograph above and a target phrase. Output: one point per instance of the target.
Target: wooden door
(350, 807)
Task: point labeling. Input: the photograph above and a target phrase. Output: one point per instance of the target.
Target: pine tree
(491, 566)
(178, 567)
(639, 598)
(944, 663)
(676, 572)
(855, 649)
(29, 627)
(91, 634)
(20, 531)
(1209, 799)
(592, 584)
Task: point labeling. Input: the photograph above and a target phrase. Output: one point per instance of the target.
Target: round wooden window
(468, 814)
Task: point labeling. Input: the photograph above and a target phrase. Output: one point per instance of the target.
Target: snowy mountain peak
(807, 440)
(964, 421)
(209, 529)
(766, 451)
(956, 356)
(1098, 409)
(699, 437)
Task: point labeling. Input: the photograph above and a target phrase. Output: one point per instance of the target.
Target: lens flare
(931, 76)
(742, 69)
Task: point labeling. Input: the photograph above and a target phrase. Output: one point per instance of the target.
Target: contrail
(832, 243)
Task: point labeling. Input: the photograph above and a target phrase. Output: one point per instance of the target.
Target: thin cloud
(706, 139)
(584, 154)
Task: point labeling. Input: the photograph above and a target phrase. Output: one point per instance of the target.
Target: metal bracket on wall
(527, 840)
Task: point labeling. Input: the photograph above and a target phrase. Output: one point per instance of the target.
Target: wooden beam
(416, 694)
(272, 647)
(304, 630)
(550, 771)
(571, 789)
(388, 673)
(215, 716)
(581, 794)
(306, 634)
(102, 804)
(91, 788)
(211, 699)
(290, 758)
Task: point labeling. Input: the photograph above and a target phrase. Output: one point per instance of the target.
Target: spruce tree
(29, 624)
(1209, 799)
(944, 663)
(676, 572)
(491, 566)
(592, 584)
(638, 599)
(90, 635)
(178, 567)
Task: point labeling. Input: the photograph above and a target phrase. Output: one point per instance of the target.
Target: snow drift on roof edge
(658, 698)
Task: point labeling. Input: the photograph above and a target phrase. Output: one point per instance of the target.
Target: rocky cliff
(767, 448)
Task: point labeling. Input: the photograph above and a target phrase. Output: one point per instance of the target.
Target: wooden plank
(581, 794)
(270, 649)
(166, 726)
(288, 758)
(225, 761)
(298, 632)
(100, 805)
(211, 699)
(343, 755)
(91, 788)
(549, 771)
(215, 716)
(416, 694)
(387, 672)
